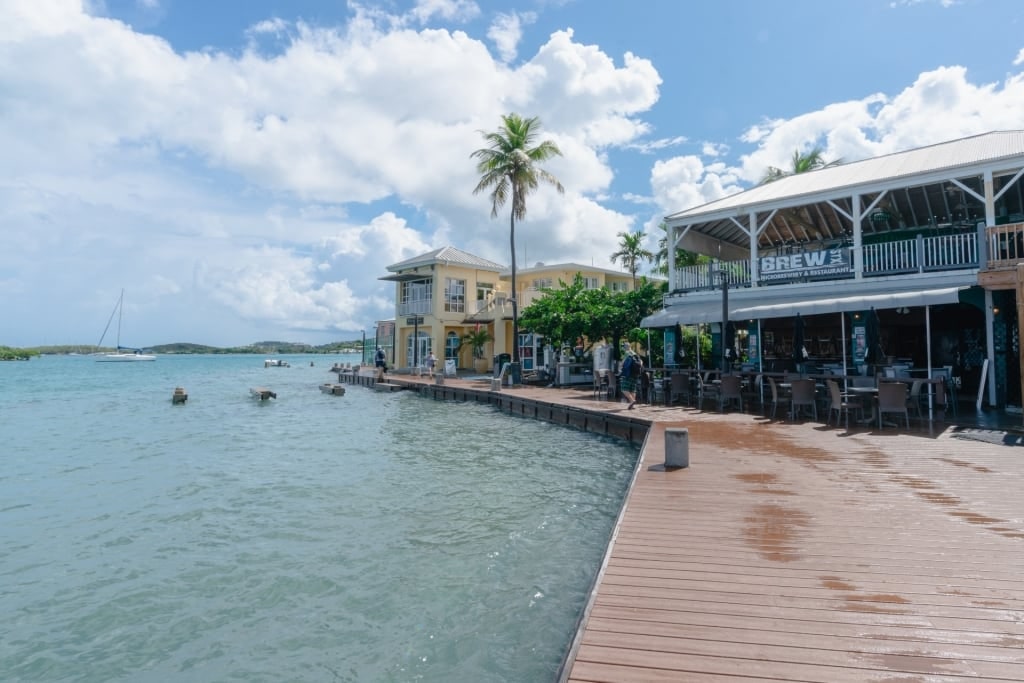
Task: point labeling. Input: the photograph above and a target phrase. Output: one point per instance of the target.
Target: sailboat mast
(120, 312)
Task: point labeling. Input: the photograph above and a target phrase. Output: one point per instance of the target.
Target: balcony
(918, 255)
(1005, 247)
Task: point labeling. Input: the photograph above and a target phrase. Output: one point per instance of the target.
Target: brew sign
(821, 263)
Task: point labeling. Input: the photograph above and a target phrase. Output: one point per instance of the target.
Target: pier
(792, 550)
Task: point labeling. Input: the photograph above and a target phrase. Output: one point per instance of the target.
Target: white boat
(275, 363)
(121, 355)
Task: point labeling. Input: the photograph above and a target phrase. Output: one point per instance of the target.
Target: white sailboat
(120, 355)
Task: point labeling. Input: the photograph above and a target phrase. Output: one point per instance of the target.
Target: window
(591, 283)
(619, 286)
(543, 283)
(416, 297)
(455, 295)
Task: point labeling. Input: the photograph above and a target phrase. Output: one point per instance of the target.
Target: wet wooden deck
(801, 552)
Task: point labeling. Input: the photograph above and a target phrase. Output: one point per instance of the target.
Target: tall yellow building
(444, 294)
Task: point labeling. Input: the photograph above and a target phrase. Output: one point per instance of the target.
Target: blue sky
(246, 170)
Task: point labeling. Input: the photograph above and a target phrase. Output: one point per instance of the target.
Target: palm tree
(631, 252)
(802, 163)
(683, 257)
(508, 166)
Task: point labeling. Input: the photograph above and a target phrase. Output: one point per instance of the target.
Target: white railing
(1005, 244)
(708, 275)
(421, 307)
(943, 252)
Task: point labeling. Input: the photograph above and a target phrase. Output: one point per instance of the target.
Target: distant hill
(262, 348)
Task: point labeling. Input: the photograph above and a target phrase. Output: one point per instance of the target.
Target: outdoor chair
(706, 391)
(753, 391)
(601, 383)
(914, 403)
(679, 388)
(842, 404)
(773, 397)
(728, 391)
(892, 398)
(802, 396)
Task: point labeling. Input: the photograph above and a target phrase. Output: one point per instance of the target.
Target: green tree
(801, 163)
(476, 340)
(571, 311)
(631, 252)
(508, 166)
(683, 257)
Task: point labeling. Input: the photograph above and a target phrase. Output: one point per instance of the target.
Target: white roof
(447, 255)
(986, 149)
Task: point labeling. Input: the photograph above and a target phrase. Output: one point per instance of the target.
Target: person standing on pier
(629, 372)
(380, 360)
(431, 362)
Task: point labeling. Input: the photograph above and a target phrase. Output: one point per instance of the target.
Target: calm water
(369, 537)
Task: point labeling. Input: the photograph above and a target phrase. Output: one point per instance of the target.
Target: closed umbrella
(730, 341)
(798, 341)
(680, 351)
(873, 353)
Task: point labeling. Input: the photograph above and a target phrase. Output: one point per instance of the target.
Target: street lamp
(724, 274)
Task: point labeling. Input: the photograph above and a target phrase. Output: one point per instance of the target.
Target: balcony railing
(944, 252)
(1005, 245)
(419, 307)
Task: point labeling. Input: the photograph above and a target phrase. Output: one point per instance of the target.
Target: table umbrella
(798, 340)
(730, 340)
(872, 338)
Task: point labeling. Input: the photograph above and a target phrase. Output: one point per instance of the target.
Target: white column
(858, 254)
(670, 240)
(755, 273)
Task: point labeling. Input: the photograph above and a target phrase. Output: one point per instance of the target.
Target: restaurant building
(909, 260)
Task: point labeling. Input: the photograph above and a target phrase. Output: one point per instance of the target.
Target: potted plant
(477, 340)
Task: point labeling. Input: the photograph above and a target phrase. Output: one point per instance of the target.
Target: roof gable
(447, 256)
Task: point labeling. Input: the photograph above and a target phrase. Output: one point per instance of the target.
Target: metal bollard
(677, 447)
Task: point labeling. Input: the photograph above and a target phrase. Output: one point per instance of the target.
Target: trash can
(499, 362)
(515, 373)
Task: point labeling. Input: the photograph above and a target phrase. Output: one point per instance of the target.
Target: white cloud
(507, 30)
(940, 105)
(119, 145)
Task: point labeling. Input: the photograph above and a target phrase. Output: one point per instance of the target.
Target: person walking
(630, 371)
(380, 360)
(431, 362)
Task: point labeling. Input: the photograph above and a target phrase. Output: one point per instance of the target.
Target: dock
(262, 393)
(333, 389)
(795, 551)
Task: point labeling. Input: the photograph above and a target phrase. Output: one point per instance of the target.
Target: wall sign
(806, 264)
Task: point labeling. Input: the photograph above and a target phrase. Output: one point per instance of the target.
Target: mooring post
(677, 447)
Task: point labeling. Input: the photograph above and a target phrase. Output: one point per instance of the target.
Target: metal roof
(987, 148)
(447, 256)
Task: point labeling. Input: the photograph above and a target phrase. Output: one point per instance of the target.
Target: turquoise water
(369, 537)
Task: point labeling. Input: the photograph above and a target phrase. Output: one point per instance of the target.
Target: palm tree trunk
(515, 291)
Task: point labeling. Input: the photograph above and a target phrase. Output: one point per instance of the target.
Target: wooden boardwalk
(801, 552)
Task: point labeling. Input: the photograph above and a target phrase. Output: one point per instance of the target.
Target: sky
(246, 170)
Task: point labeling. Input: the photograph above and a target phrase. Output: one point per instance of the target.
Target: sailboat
(120, 355)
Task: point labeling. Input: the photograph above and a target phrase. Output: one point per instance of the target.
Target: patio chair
(892, 398)
(842, 404)
(705, 391)
(601, 383)
(679, 388)
(772, 397)
(802, 396)
(753, 391)
(914, 402)
(730, 390)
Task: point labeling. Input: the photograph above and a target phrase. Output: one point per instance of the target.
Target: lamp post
(722, 273)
